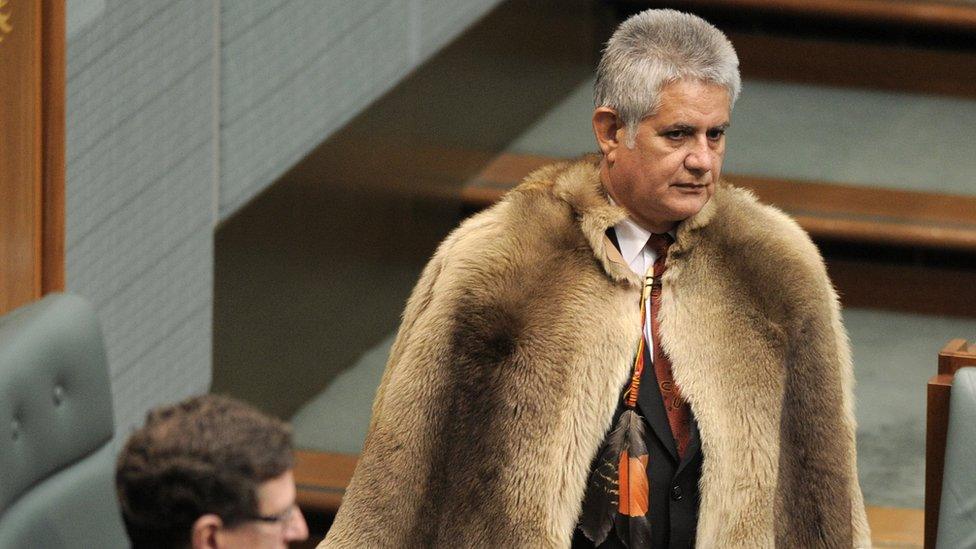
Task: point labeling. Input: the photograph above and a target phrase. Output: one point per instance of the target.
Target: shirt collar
(632, 239)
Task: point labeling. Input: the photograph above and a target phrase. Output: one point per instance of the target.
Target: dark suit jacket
(673, 505)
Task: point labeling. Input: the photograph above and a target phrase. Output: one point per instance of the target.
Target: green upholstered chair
(957, 512)
(56, 427)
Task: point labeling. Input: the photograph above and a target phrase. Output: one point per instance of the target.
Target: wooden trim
(896, 527)
(911, 288)
(895, 233)
(956, 354)
(32, 151)
(53, 68)
(826, 210)
(20, 158)
(321, 479)
(936, 15)
(777, 51)
(937, 412)
(834, 62)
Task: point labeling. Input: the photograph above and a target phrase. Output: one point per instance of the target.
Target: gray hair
(654, 48)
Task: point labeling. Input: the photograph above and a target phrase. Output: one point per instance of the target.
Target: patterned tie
(675, 406)
(617, 493)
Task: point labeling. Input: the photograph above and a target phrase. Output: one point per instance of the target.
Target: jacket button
(676, 493)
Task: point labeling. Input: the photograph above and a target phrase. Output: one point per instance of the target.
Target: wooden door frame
(53, 92)
(37, 233)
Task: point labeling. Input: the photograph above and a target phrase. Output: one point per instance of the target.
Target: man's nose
(699, 158)
(297, 528)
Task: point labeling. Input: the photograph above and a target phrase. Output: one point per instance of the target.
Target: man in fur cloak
(624, 351)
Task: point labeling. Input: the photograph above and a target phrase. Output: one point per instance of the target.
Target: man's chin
(688, 207)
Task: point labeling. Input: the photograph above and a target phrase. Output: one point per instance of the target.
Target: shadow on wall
(317, 269)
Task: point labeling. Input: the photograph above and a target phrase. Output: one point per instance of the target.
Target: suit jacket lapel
(694, 446)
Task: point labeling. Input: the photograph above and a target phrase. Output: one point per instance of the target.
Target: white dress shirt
(632, 239)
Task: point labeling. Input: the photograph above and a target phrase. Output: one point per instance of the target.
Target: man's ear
(204, 535)
(608, 131)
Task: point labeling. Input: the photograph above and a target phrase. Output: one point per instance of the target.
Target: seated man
(209, 472)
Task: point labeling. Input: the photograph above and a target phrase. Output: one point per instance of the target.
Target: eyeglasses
(285, 517)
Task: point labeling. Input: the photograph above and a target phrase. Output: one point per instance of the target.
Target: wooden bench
(828, 211)
(321, 479)
(919, 46)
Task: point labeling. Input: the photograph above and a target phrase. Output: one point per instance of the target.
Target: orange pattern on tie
(674, 404)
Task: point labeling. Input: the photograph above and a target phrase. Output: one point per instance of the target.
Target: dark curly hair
(207, 454)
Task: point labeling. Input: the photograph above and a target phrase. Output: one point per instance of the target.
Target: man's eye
(715, 134)
(674, 134)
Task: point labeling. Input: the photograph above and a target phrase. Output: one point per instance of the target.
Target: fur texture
(518, 338)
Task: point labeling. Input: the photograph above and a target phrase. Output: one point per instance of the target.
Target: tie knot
(659, 243)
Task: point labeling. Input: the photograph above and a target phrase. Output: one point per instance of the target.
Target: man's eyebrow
(688, 128)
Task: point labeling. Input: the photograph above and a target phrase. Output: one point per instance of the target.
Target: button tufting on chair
(57, 483)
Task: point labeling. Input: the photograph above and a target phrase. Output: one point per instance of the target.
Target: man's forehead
(689, 120)
(693, 103)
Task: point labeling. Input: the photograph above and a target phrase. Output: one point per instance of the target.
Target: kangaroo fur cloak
(518, 338)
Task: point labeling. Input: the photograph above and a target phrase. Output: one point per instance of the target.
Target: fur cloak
(519, 336)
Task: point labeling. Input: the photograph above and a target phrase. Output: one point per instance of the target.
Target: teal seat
(56, 427)
(957, 512)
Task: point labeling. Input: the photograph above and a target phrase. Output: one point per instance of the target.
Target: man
(209, 472)
(565, 374)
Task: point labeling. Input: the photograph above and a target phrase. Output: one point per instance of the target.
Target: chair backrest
(56, 427)
(957, 514)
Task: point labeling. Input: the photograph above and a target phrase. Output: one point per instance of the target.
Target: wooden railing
(957, 354)
(32, 145)
(321, 479)
(915, 46)
(828, 211)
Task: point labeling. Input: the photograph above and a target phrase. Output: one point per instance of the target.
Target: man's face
(276, 498)
(675, 164)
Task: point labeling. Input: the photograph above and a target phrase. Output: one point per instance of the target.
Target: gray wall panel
(157, 304)
(135, 72)
(241, 16)
(103, 27)
(164, 371)
(136, 152)
(148, 99)
(292, 111)
(297, 74)
(282, 46)
(139, 192)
